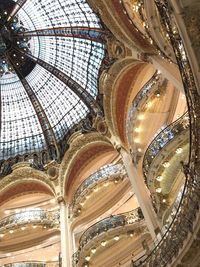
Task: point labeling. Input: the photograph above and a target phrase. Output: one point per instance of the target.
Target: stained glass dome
(51, 52)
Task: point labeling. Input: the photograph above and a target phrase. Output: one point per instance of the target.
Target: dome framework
(50, 57)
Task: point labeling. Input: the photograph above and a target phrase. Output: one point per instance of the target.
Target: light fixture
(87, 197)
(158, 94)
(159, 178)
(136, 140)
(106, 184)
(164, 200)
(137, 130)
(87, 258)
(11, 231)
(93, 250)
(166, 164)
(116, 238)
(1, 235)
(158, 190)
(141, 117)
(7, 212)
(23, 228)
(149, 104)
(79, 210)
(131, 235)
(35, 226)
(179, 150)
(103, 243)
(139, 149)
(96, 189)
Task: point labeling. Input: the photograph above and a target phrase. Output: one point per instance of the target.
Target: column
(141, 193)
(65, 237)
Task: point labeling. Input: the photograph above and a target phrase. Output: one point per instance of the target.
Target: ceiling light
(93, 250)
(179, 150)
(159, 178)
(164, 200)
(106, 184)
(137, 130)
(79, 210)
(131, 235)
(149, 104)
(139, 149)
(158, 190)
(96, 189)
(35, 226)
(23, 228)
(141, 117)
(11, 231)
(1, 235)
(87, 197)
(103, 243)
(166, 164)
(87, 258)
(7, 212)
(116, 238)
(137, 140)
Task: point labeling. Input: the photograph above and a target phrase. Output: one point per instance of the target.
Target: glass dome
(51, 52)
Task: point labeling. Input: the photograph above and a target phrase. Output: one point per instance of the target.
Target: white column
(141, 193)
(65, 237)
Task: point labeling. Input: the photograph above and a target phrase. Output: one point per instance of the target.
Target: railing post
(141, 193)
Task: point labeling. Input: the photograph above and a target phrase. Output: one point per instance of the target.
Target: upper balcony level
(118, 231)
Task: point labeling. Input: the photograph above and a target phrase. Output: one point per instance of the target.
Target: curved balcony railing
(32, 264)
(105, 225)
(48, 218)
(141, 97)
(157, 43)
(162, 139)
(185, 219)
(108, 172)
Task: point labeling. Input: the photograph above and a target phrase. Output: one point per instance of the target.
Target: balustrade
(105, 225)
(50, 218)
(32, 264)
(108, 172)
(184, 220)
(162, 139)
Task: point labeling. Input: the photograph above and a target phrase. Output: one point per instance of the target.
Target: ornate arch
(24, 180)
(83, 149)
(117, 87)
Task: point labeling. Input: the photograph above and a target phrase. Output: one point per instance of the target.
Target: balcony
(106, 232)
(97, 182)
(35, 217)
(170, 134)
(27, 228)
(32, 264)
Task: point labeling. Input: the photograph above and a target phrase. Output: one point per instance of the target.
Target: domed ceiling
(51, 52)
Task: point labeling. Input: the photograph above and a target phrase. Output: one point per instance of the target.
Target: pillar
(141, 193)
(65, 236)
